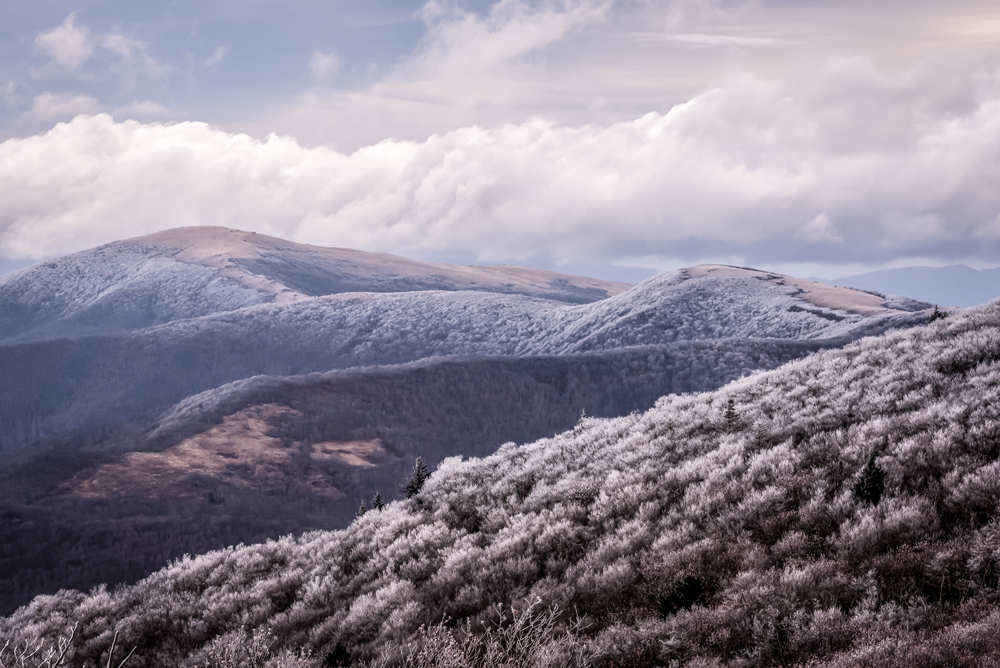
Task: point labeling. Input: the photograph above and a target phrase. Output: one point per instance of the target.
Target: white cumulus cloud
(71, 45)
(839, 165)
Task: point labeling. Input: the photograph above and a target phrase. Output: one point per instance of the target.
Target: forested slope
(841, 511)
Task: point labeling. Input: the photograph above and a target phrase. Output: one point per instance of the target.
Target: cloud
(575, 62)
(68, 45)
(840, 165)
(217, 55)
(323, 65)
(65, 106)
(702, 39)
(71, 45)
(468, 68)
(820, 230)
(48, 106)
(122, 45)
(460, 44)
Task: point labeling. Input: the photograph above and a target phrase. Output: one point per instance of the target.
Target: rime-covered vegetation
(193, 272)
(114, 288)
(839, 511)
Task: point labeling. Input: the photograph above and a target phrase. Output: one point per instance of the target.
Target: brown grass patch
(819, 294)
(238, 453)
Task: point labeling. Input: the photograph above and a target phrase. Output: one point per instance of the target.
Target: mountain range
(841, 510)
(199, 387)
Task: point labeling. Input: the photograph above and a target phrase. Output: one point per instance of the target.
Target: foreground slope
(721, 528)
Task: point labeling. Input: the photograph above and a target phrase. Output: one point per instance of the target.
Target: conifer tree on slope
(418, 476)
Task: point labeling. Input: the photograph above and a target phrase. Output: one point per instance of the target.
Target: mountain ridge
(193, 272)
(125, 374)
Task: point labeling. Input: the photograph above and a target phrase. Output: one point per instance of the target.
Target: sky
(608, 137)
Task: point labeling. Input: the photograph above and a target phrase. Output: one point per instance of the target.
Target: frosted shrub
(523, 639)
(240, 649)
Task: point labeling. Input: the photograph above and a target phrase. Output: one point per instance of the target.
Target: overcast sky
(814, 137)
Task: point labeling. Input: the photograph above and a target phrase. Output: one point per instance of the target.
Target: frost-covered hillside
(64, 384)
(839, 511)
(196, 271)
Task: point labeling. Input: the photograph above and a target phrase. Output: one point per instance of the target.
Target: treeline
(840, 511)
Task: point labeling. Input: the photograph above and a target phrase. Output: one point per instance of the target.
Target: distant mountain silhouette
(955, 285)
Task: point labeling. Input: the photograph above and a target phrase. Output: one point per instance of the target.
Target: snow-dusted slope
(192, 273)
(366, 328)
(59, 384)
(674, 306)
(197, 271)
(114, 288)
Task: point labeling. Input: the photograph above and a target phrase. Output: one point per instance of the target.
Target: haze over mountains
(954, 285)
(201, 374)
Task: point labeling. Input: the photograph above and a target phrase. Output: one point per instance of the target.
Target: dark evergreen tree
(377, 501)
(731, 418)
(938, 314)
(870, 484)
(418, 476)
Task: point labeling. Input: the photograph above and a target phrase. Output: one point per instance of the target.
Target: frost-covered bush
(240, 649)
(522, 639)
